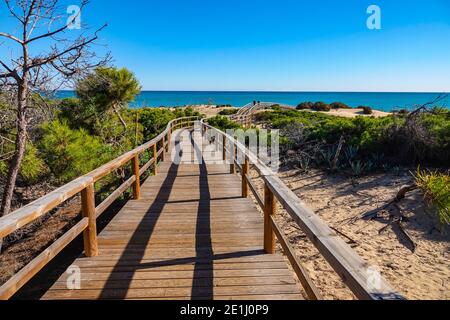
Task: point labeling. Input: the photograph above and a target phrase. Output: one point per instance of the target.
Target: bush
(321, 106)
(427, 140)
(275, 107)
(154, 120)
(339, 105)
(223, 123)
(366, 110)
(227, 112)
(403, 112)
(436, 189)
(71, 153)
(32, 166)
(305, 105)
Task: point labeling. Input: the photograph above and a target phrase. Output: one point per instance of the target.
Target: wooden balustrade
(355, 273)
(85, 186)
(346, 263)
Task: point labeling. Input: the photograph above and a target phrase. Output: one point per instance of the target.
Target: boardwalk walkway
(191, 235)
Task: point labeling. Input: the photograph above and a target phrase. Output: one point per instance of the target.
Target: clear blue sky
(276, 45)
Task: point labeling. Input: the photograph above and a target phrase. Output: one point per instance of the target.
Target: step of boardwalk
(190, 236)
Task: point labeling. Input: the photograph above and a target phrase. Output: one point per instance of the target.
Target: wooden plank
(169, 293)
(184, 274)
(177, 283)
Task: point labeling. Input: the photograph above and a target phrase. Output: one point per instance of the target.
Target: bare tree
(28, 73)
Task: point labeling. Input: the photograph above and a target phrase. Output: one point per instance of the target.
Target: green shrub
(71, 153)
(339, 105)
(223, 123)
(436, 189)
(384, 135)
(321, 106)
(275, 107)
(32, 166)
(227, 112)
(305, 105)
(154, 120)
(366, 110)
(76, 114)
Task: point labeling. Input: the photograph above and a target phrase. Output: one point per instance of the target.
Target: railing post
(155, 159)
(233, 157)
(245, 170)
(224, 148)
(88, 211)
(269, 211)
(169, 138)
(137, 182)
(163, 154)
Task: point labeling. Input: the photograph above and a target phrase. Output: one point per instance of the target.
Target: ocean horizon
(384, 101)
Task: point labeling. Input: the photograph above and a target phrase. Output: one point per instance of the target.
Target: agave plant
(377, 158)
(357, 167)
(351, 152)
(369, 166)
(328, 156)
(304, 162)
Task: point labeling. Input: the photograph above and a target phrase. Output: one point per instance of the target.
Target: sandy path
(423, 274)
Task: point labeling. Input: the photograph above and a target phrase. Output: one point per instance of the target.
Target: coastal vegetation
(227, 112)
(223, 123)
(27, 73)
(435, 187)
(79, 134)
(363, 145)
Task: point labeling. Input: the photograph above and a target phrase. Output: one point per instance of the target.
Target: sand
(423, 274)
(352, 113)
(212, 110)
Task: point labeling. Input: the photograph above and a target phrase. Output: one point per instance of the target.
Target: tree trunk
(20, 145)
(117, 111)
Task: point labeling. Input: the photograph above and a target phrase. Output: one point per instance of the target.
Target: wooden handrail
(84, 185)
(353, 270)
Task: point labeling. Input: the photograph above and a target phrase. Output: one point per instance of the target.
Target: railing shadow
(203, 244)
(203, 262)
(144, 231)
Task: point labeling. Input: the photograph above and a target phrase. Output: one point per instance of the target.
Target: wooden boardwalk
(191, 235)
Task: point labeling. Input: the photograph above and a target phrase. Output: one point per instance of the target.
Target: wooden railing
(90, 212)
(353, 270)
(245, 114)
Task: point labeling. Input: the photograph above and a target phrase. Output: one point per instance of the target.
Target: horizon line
(286, 91)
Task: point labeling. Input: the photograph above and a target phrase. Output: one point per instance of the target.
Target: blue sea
(378, 100)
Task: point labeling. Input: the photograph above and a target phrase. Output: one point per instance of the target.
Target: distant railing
(352, 269)
(245, 114)
(90, 212)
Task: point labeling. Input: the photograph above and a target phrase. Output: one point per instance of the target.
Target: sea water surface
(385, 101)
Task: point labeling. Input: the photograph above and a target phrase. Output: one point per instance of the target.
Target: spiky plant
(436, 189)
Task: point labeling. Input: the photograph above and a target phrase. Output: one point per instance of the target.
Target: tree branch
(10, 36)
(52, 33)
(41, 61)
